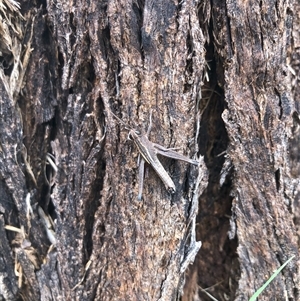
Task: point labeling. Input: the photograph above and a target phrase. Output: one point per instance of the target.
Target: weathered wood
(250, 41)
(86, 61)
(294, 85)
(65, 68)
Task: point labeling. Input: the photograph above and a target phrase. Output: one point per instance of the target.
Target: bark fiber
(220, 78)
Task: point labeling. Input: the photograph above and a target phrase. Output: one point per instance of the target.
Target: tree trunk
(215, 77)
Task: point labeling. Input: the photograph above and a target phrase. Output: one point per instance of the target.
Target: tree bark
(214, 74)
(252, 44)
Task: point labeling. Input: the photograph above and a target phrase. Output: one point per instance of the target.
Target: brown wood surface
(221, 80)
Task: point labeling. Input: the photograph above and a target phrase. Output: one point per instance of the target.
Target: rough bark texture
(258, 121)
(89, 59)
(215, 75)
(294, 84)
(252, 41)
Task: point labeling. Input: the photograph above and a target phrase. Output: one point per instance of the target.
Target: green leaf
(261, 289)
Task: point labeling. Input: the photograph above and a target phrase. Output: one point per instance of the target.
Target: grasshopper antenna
(127, 127)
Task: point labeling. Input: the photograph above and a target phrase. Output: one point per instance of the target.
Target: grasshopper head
(133, 134)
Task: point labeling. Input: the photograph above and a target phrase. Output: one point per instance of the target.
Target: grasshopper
(149, 151)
